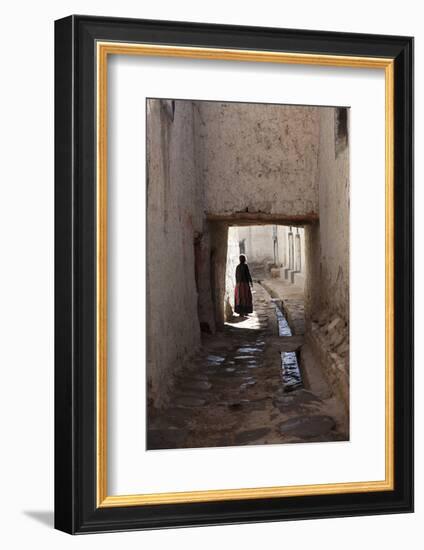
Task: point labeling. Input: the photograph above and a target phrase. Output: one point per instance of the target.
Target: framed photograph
(234, 274)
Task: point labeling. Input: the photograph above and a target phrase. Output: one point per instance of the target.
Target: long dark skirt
(243, 299)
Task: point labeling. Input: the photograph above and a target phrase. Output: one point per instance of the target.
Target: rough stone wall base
(329, 342)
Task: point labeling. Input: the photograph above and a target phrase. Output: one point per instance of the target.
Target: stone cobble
(232, 392)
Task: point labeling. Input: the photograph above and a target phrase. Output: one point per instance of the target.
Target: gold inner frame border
(103, 50)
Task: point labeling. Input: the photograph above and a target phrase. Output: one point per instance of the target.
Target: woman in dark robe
(243, 295)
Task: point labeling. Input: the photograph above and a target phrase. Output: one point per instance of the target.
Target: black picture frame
(76, 510)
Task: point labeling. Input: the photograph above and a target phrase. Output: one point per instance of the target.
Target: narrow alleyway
(235, 391)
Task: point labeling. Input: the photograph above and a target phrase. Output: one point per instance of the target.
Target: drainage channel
(292, 379)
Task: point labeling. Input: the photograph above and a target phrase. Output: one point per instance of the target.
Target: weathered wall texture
(334, 218)
(204, 288)
(218, 254)
(258, 158)
(327, 249)
(172, 221)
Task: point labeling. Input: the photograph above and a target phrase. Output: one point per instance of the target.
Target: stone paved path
(293, 303)
(232, 393)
